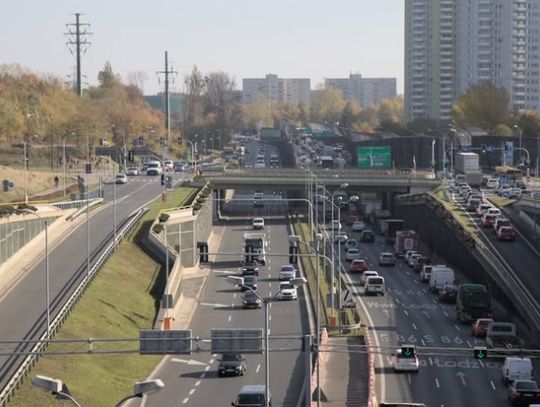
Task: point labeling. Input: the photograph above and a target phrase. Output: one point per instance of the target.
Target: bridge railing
(320, 172)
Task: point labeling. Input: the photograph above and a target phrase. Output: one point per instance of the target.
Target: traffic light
(249, 253)
(293, 254)
(506, 147)
(408, 351)
(162, 179)
(203, 252)
(480, 352)
(88, 168)
(483, 148)
(131, 156)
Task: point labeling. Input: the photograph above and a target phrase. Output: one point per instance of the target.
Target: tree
(195, 87)
(391, 114)
(502, 130)
(258, 111)
(327, 105)
(107, 78)
(483, 105)
(347, 116)
(529, 123)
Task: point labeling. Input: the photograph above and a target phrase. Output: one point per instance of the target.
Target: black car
(232, 364)
(448, 294)
(178, 167)
(523, 392)
(249, 282)
(251, 300)
(250, 268)
(367, 236)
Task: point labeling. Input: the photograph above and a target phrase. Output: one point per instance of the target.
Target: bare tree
(137, 79)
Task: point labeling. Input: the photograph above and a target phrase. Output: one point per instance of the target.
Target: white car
(335, 225)
(408, 254)
(287, 272)
(352, 254)
(120, 179)
(258, 223)
(406, 359)
(350, 243)
(366, 274)
(132, 171)
(482, 208)
(341, 237)
(154, 168)
(287, 291)
(412, 259)
(358, 226)
(492, 183)
(493, 211)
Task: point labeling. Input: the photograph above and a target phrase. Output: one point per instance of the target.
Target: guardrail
(504, 274)
(15, 380)
(81, 203)
(82, 209)
(294, 172)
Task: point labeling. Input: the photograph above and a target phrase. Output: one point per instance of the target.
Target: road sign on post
(171, 342)
(237, 340)
(374, 157)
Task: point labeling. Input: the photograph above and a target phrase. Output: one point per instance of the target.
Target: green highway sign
(374, 157)
(480, 352)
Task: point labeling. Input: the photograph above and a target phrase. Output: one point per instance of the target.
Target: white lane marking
(434, 301)
(408, 273)
(481, 363)
(185, 400)
(423, 343)
(258, 368)
(191, 392)
(406, 313)
(269, 276)
(270, 305)
(230, 317)
(470, 344)
(492, 385)
(234, 295)
(409, 378)
(207, 368)
(445, 313)
(437, 383)
(457, 328)
(270, 294)
(268, 331)
(198, 382)
(203, 375)
(414, 326)
(430, 362)
(415, 281)
(269, 284)
(211, 361)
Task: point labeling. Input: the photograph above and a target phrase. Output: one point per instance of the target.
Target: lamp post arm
(68, 396)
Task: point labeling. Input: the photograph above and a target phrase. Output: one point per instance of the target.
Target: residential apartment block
(277, 89)
(365, 91)
(452, 44)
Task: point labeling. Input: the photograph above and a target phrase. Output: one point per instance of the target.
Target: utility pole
(77, 43)
(167, 72)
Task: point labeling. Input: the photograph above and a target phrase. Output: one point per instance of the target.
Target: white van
(515, 368)
(440, 276)
(154, 168)
(374, 285)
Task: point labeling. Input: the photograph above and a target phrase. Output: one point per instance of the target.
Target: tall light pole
(25, 158)
(87, 207)
(520, 133)
(297, 282)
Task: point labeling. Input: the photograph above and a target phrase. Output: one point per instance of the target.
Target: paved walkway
(344, 374)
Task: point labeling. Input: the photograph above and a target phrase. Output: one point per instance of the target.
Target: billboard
(374, 157)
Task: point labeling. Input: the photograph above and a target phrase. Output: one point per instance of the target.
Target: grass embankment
(309, 265)
(502, 202)
(461, 217)
(122, 299)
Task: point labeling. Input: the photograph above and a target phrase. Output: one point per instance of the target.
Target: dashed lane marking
(414, 326)
(230, 317)
(207, 368)
(234, 295)
(492, 385)
(203, 375)
(191, 392)
(457, 328)
(405, 312)
(445, 313)
(258, 368)
(185, 400)
(437, 383)
(469, 344)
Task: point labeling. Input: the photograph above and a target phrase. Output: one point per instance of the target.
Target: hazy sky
(245, 38)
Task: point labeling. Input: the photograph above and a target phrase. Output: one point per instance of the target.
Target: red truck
(406, 240)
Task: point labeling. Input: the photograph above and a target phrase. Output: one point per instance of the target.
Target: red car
(358, 266)
(506, 233)
(488, 220)
(420, 263)
(480, 326)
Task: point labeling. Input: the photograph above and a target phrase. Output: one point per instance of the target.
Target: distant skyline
(245, 38)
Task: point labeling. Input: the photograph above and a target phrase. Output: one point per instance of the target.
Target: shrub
(164, 217)
(158, 228)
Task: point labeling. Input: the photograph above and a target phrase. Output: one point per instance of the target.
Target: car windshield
(250, 280)
(287, 268)
(250, 295)
(231, 357)
(353, 251)
(250, 399)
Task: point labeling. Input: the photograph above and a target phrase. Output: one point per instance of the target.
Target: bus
(508, 174)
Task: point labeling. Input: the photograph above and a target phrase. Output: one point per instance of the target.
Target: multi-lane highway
(220, 306)
(24, 304)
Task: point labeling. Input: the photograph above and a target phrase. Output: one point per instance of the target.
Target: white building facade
(365, 91)
(451, 45)
(277, 89)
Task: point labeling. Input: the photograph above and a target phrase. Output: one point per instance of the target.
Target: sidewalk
(344, 374)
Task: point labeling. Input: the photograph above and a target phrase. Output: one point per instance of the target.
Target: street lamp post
(520, 133)
(53, 386)
(141, 388)
(300, 281)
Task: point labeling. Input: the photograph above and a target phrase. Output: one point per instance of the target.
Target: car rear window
(375, 280)
(250, 399)
(526, 385)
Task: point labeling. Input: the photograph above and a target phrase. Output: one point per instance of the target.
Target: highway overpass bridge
(295, 179)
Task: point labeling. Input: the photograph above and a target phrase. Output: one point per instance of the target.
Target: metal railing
(28, 362)
(295, 172)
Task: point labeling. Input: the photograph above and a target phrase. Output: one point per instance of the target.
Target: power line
(77, 43)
